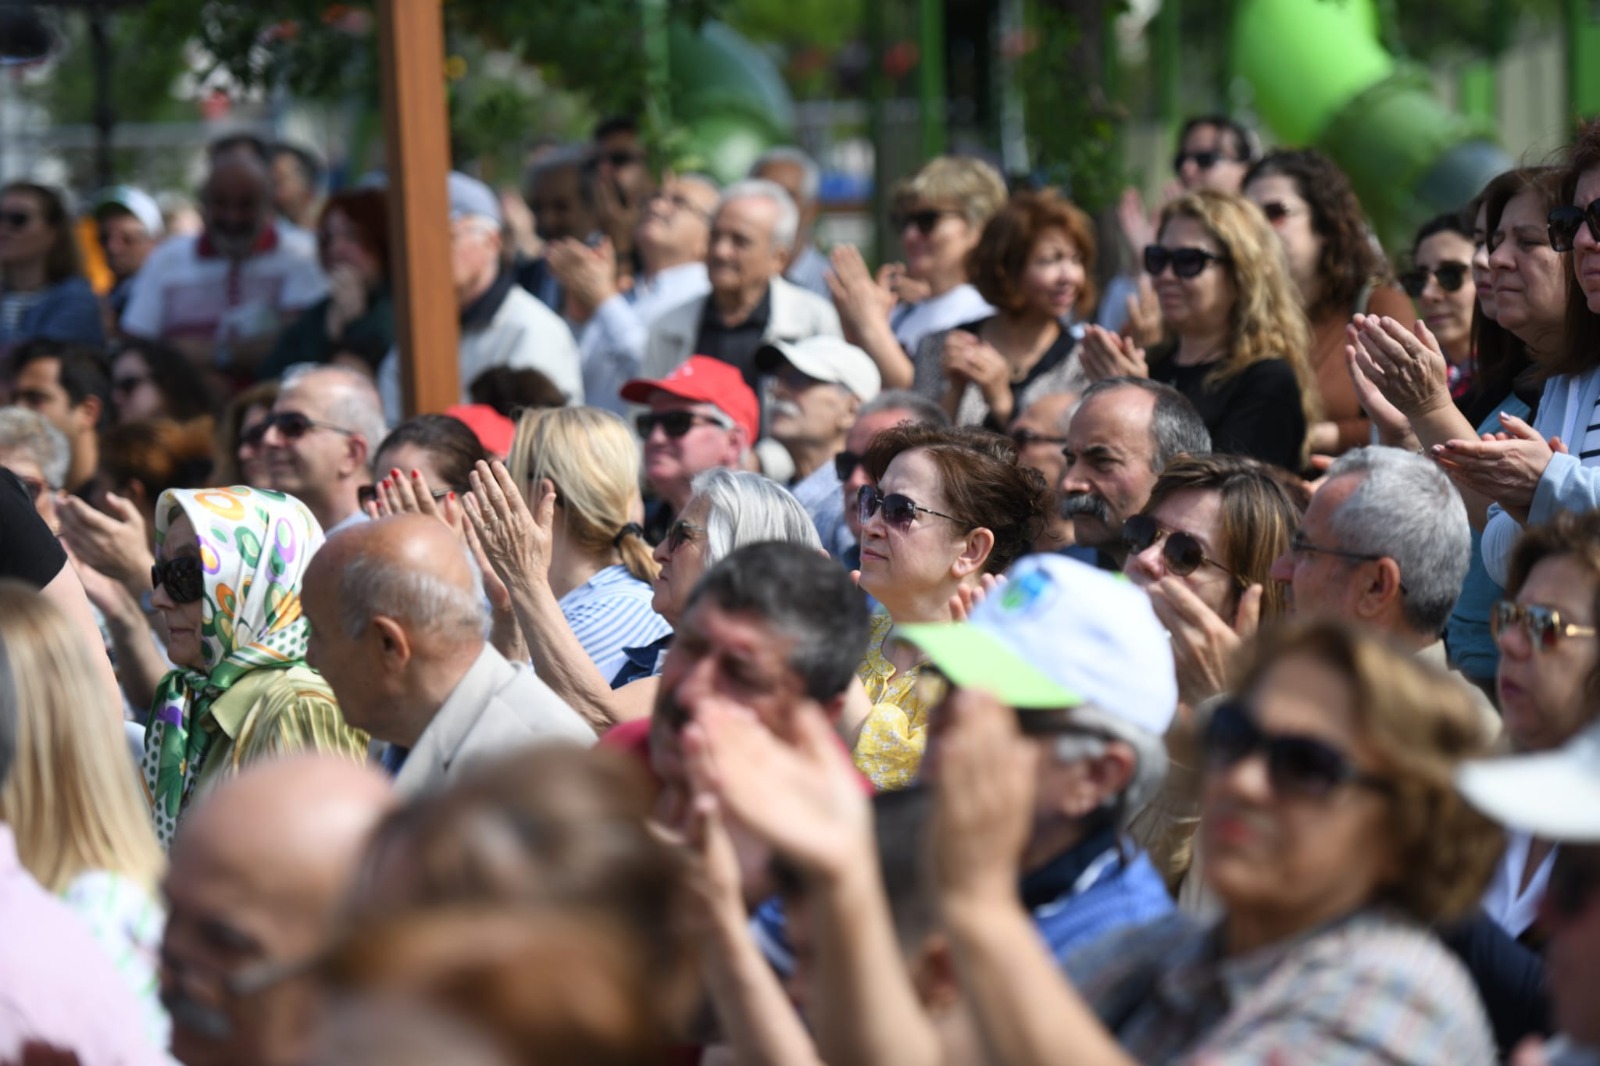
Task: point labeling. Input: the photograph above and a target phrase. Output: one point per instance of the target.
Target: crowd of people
(987, 660)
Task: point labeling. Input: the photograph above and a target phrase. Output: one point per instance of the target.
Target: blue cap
(469, 196)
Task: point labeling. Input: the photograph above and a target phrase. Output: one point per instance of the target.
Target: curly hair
(1419, 725)
(983, 486)
(1266, 321)
(1350, 258)
(997, 261)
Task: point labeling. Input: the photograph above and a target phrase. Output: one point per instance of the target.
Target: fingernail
(416, 473)
(451, 496)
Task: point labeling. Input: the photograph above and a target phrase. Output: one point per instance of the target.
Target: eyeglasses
(675, 424)
(1023, 437)
(253, 436)
(1543, 626)
(1299, 545)
(1185, 262)
(181, 577)
(1562, 224)
(1201, 160)
(17, 219)
(32, 485)
(1276, 211)
(1183, 553)
(679, 533)
(681, 202)
(294, 425)
(925, 221)
(845, 463)
(125, 386)
(1451, 276)
(898, 510)
(1296, 765)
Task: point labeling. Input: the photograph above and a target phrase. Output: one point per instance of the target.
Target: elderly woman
(726, 510)
(947, 511)
(939, 213)
(1239, 338)
(227, 585)
(1035, 264)
(43, 292)
(38, 453)
(1334, 839)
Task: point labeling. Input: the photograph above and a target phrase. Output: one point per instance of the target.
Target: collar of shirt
(757, 319)
(268, 241)
(1061, 876)
(480, 312)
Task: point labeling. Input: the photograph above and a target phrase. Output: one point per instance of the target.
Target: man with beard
(1123, 434)
(224, 296)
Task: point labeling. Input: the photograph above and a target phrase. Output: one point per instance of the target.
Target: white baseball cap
(825, 358)
(136, 202)
(1057, 634)
(1554, 795)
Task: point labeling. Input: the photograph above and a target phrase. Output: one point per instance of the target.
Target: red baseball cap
(705, 380)
(494, 430)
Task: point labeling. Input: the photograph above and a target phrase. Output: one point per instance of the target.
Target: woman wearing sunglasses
(1338, 271)
(1333, 838)
(1238, 347)
(947, 511)
(43, 293)
(1441, 283)
(227, 585)
(1035, 264)
(938, 213)
(1549, 681)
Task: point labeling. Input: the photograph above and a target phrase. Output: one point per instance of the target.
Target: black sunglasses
(181, 577)
(620, 158)
(1296, 765)
(294, 425)
(1182, 552)
(1562, 224)
(925, 221)
(17, 219)
(679, 533)
(899, 511)
(673, 423)
(1451, 276)
(1202, 160)
(845, 463)
(1543, 626)
(1023, 437)
(1185, 262)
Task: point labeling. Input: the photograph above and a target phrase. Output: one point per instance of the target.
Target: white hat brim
(1554, 796)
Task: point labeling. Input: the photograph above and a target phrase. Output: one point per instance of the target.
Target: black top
(1257, 412)
(28, 551)
(735, 345)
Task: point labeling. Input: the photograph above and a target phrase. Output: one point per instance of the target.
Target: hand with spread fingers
(1408, 367)
(1144, 325)
(398, 493)
(863, 302)
(969, 596)
(515, 540)
(1394, 429)
(1204, 644)
(1505, 467)
(1106, 355)
(116, 544)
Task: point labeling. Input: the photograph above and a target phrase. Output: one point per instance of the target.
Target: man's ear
(395, 642)
(358, 455)
(1379, 587)
(90, 411)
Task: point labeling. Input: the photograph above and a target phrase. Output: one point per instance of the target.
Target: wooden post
(417, 142)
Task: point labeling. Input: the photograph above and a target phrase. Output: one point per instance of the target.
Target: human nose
(272, 436)
(1072, 481)
(661, 555)
(1147, 567)
(1283, 566)
(1500, 258)
(160, 600)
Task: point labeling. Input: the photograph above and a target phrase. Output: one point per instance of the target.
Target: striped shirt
(1371, 988)
(1591, 437)
(611, 612)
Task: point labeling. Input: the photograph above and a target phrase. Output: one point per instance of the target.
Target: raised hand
(589, 275)
(969, 596)
(515, 540)
(1408, 367)
(983, 811)
(1505, 470)
(116, 544)
(1144, 326)
(1105, 355)
(1204, 644)
(863, 302)
(1394, 429)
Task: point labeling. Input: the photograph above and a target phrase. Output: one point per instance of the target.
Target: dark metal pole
(104, 116)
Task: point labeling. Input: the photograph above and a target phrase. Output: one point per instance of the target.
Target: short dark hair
(1456, 222)
(1176, 428)
(1244, 142)
(310, 166)
(510, 390)
(451, 442)
(615, 124)
(187, 394)
(249, 142)
(805, 595)
(83, 368)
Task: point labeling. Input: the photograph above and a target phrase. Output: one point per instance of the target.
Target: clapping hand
(115, 544)
(983, 809)
(1505, 467)
(515, 540)
(1204, 644)
(1106, 355)
(863, 302)
(589, 275)
(1407, 366)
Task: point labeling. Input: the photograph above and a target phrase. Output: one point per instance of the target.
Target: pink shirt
(57, 985)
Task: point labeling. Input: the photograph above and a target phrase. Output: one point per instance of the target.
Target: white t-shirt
(915, 321)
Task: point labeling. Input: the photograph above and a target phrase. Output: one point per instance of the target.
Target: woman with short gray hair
(38, 453)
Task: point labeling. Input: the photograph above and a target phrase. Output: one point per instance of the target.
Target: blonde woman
(1239, 338)
(73, 800)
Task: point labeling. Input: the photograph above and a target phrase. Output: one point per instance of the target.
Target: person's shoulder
(1270, 374)
(524, 706)
(296, 243)
(172, 254)
(1380, 949)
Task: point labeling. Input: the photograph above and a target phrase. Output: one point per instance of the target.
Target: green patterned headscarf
(254, 547)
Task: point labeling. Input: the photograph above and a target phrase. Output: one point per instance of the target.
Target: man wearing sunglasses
(319, 441)
(750, 304)
(702, 416)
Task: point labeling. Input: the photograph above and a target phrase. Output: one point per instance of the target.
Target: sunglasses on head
(293, 425)
(1562, 224)
(181, 577)
(898, 511)
(925, 221)
(17, 219)
(1296, 765)
(1450, 276)
(1185, 262)
(1201, 160)
(674, 423)
(1182, 552)
(679, 533)
(1543, 626)
(845, 464)
(1022, 437)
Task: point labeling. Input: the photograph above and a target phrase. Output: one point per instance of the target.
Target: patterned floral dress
(895, 733)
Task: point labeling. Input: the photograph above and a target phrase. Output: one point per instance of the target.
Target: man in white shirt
(502, 324)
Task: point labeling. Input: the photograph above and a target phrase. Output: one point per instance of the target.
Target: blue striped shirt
(610, 612)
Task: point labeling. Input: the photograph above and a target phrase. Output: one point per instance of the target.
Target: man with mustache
(253, 889)
(818, 385)
(224, 296)
(1123, 434)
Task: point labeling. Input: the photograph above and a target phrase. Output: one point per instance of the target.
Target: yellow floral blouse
(894, 736)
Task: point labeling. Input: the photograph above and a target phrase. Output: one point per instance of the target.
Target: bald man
(398, 628)
(254, 886)
(225, 295)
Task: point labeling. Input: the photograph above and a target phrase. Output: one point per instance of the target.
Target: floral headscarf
(254, 547)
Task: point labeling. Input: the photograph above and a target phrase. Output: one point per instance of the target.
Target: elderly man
(701, 416)
(70, 385)
(819, 385)
(258, 873)
(750, 304)
(224, 296)
(501, 324)
(1040, 432)
(398, 628)
(320, 439)
(801, 178)
(887, 409)
(128, 225)
(1123, 434)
